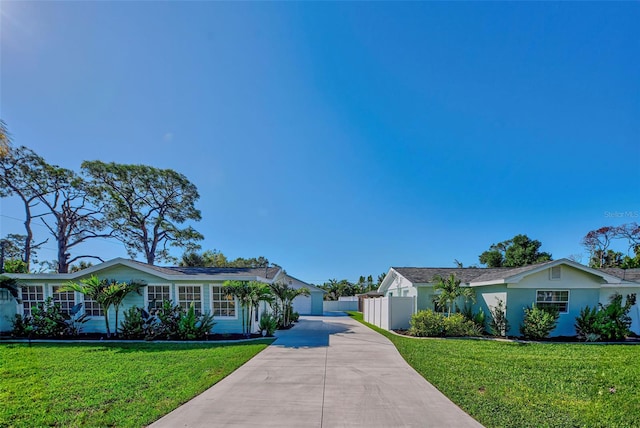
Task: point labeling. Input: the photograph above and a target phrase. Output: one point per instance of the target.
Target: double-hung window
(66, 299)
(553, 299)
(32, 296)
(190, 294)
(222, 304)
(156, 296)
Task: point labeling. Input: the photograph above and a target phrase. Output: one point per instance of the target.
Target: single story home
(564, 284)
(182, 285)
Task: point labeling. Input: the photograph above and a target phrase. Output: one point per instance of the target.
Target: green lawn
(531, 385)
(108, 384)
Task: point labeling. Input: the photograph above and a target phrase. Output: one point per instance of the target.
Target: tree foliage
(598, 241)
(249, 294)
(23, 175)
(215, 258)
(145, 207)
(106, 292)
(449, 290)
(284, 296)
(515, 252)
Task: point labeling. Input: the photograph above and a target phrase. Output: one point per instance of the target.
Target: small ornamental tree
(105, 292)
(450, 291)
(249, 295)
(499, 325)
(538, 323)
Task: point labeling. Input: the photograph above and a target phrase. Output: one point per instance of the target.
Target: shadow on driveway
(311, 333)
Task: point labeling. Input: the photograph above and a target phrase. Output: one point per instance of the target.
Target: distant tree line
(143, 207)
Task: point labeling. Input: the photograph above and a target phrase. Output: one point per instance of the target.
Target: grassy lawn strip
(530, 385)
(109, 384)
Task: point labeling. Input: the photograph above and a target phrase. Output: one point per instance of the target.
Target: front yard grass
(503, 384)
(111, 384)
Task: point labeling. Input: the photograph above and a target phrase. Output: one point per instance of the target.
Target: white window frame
(179, 302)
(219, 317)
(53, 287)
(544, 302)
(559, 270)
(22, 296)
(84, 307)
(146, 294)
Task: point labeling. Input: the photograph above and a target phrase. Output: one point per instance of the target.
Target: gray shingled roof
(425, 275)
(626, 274)
(178, 270)
(467, 275)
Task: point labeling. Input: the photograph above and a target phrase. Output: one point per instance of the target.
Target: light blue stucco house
(182, 285)
(564, 284)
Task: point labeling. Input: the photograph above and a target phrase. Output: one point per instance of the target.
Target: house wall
(123, 273)
(584, 289)
(487, 298)
(401, 287)
(8, 309)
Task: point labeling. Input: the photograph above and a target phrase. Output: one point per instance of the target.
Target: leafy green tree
(450, 290)
(515, 252)
(284, 296)
(249, 294)
(116, 292)
(215, 258)
(598, 241)
(145, 206)
(21, 170)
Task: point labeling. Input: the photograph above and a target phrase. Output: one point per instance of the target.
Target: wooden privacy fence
(389, 313)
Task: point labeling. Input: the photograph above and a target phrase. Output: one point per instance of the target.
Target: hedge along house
(182, 285)
(566, 285)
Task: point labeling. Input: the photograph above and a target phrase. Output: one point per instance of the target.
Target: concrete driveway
(325, 372)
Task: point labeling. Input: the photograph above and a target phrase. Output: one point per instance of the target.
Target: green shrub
(589, 324)
(457, 325)
(477, 318)
(139, 324)
(427, 324)
(168, 322)
(615, 320)
(610, 322)
(268, 323)
(498, 326)
(47, 320)
(538, 322)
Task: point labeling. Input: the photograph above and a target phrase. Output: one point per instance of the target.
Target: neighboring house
(564, 284)
(182, 285)
(306, 305)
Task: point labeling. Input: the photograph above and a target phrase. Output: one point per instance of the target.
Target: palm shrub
(268, 323)
(498, 325)
(192, 326)
(589, 324)
(477, 318)
(538, 323)
(283, 302)
(249, 294)
(450, 290)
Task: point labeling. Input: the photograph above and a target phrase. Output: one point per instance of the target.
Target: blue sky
(339, 139)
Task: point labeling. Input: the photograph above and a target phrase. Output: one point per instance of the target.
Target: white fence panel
(389, 313)
(341, 305)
